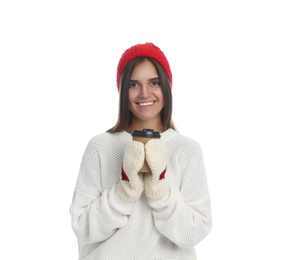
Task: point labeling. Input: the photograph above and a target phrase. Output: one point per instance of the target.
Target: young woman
(121, 213)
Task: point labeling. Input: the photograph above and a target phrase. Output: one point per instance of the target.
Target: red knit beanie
(143, 50)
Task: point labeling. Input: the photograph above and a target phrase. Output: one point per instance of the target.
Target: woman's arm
(184, 216)
(96, 213)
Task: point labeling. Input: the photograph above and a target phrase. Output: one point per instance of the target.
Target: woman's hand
(131, 185)
(156, 187)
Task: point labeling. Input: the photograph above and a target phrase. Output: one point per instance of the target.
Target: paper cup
(144, 136)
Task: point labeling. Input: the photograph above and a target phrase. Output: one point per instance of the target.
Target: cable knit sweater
(108, 228)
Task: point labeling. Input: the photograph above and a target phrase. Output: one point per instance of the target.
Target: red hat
(143, 50)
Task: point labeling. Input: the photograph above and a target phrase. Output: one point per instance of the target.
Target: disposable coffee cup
(144, 136)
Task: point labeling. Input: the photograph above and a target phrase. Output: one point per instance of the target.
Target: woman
(119, 212)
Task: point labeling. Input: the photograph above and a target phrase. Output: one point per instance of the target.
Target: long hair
(124, 114)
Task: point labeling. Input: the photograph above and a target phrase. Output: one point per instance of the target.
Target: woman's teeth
(146, 104)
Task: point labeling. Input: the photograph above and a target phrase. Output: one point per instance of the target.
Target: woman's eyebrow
(134, 80)
(157, 78)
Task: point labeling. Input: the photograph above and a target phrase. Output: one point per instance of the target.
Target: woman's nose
(144, 91)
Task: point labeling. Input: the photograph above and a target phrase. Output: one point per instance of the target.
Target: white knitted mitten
(156, 187)
(131, 185)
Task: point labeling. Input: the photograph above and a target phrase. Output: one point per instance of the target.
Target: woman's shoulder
(99, 137)
(106, 137)
(174, 136)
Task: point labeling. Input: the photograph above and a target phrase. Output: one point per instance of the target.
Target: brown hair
(124, 114)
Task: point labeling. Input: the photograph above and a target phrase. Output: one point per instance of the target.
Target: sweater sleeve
(184, 217)
(96, 213)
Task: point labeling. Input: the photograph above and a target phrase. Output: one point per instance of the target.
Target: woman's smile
(145, 104)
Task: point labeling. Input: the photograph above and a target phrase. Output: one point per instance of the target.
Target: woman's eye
(155, 83)
(133, 84)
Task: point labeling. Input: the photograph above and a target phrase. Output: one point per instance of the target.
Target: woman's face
(145, 95)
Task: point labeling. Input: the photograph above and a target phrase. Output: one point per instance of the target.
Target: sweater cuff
(160, 190)
(126, 193)
(121, 206)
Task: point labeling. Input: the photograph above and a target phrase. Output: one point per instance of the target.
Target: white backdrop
(57, 75)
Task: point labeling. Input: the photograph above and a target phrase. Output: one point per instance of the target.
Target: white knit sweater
(108, 228)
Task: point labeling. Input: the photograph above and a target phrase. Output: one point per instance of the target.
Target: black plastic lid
(148, 133)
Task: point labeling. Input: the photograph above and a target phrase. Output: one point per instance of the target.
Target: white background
(57, 75)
